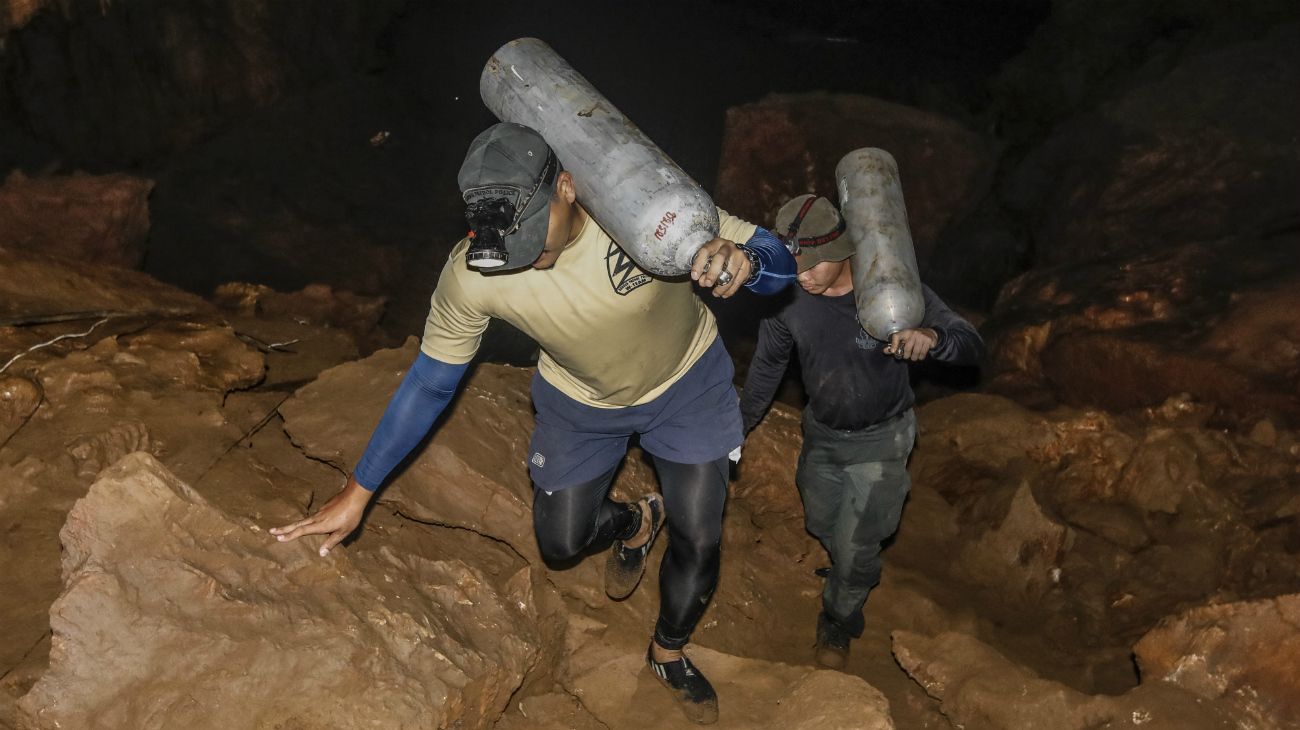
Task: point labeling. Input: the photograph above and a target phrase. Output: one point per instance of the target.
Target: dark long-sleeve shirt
(851, 383)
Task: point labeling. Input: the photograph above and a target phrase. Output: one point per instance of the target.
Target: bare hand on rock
(337, 518)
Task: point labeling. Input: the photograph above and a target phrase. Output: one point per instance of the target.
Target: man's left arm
(959, 342)
(743, 255)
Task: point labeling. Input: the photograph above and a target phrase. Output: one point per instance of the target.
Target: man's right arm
(425, 391)
(451, 337)
(766, 369)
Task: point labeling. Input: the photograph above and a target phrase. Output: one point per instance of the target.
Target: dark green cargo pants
(853, 485)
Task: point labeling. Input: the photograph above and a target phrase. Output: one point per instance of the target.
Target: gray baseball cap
(813, 229)
(511, 163)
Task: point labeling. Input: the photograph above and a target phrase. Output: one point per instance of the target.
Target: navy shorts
(697, 420)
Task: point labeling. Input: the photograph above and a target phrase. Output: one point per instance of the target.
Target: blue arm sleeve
(427, 388)
(776, 267)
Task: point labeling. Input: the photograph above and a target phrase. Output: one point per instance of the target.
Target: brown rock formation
(1094, 527)
(97, 219)
(19, 398)
(1215, 320)
(620, 691)
(1246, 654)
(37, 286)
(980, 688)
(789, 144)
(176, 610)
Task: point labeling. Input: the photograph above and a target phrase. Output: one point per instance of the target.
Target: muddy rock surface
(188, 617)
(618, 693)
(1246, 654)
(1215, 320)
(1092, 527)
(38, 285)
(100, 219)
(980, 688)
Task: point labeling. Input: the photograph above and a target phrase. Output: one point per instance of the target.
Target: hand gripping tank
(652, 208)
(886, 281)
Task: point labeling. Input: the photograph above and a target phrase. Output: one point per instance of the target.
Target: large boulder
(38, 287)
(1094, 527)
(1214, 320)
(789, 144)
(1245, 653)
(97, 219)
(184, 616)
(979, 687)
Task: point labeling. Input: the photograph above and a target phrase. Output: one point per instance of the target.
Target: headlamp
(490, 219)
(495, 212)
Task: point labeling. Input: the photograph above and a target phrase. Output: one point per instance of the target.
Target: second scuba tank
(886, 280)
(647, 204)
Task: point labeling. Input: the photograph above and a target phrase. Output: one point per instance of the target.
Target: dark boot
(832, 647)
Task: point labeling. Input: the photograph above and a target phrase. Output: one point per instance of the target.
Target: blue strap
(425, 391)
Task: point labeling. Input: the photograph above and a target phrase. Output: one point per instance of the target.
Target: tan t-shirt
(611, 335)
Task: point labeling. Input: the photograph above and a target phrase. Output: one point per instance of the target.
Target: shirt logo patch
(624, 275)
(867, 342)
(538, 460)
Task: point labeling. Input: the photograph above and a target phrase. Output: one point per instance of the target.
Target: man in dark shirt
(858, 425)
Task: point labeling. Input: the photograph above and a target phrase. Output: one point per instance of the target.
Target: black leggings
(581, 519)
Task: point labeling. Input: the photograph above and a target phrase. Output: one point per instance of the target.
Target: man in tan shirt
(623, 353)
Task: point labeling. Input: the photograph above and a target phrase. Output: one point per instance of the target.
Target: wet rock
(316, 304)
(622, 692)
(39, 286)
(177, 608)
(1264, 433)
(1245, 654)
(979, 687)
(165, 394)
(553, 711)
(196, 356)
(1212, 320)
(19, 398)
(789, 144)
(1021, 553)
(96, 219)
(1091, 526)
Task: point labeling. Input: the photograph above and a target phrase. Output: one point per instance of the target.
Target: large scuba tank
(886, 280)
(649, 205)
